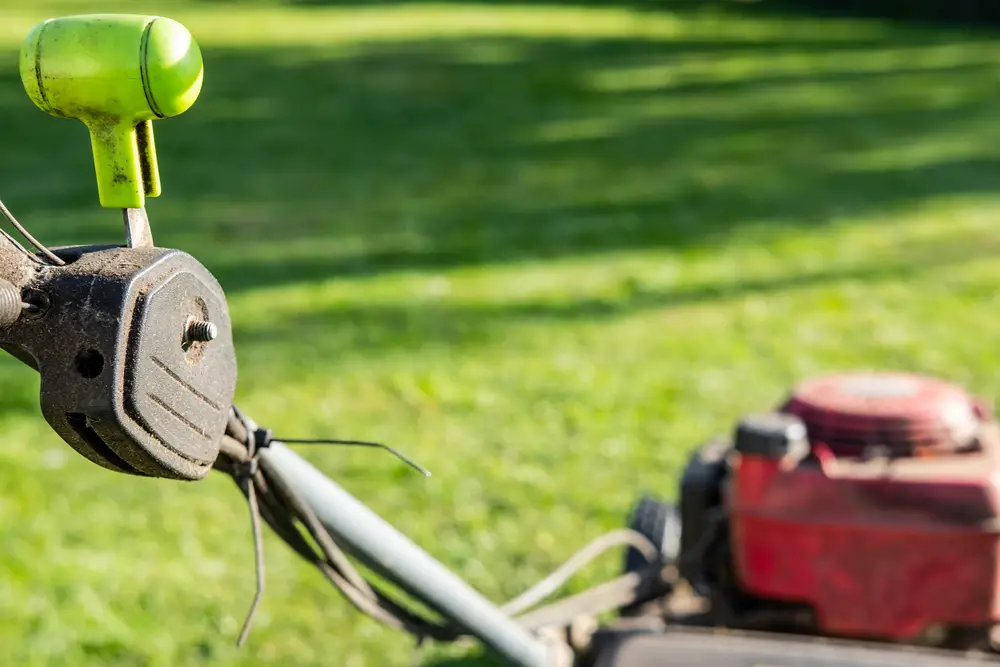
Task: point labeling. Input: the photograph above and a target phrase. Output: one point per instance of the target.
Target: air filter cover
(901, 414)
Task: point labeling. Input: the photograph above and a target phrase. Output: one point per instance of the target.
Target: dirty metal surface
(137, 230)
(118, 382)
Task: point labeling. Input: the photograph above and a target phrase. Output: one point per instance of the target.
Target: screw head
(201, 331)
(34, 302)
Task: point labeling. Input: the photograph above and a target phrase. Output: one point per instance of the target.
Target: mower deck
(682, 647)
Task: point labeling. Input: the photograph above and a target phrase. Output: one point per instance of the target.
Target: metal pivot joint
(128, 376)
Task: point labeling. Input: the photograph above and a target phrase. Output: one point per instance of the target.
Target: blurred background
(544, 248)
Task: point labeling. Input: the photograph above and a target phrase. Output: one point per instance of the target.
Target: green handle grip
(116, 73)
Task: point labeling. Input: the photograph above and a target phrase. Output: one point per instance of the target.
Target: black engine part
(134, 348)
(772, 434)
(700, 505)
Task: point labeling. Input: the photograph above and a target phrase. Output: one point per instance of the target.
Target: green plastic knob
(116, 73)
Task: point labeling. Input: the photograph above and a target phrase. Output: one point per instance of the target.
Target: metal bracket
(137, 231)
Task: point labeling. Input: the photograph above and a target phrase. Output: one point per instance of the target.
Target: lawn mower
(855, 523)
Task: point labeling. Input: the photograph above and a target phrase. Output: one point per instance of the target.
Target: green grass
(545, 250)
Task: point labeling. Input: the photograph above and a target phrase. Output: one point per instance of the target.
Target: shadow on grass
(306, 164)
(968, 13)
(377, 329)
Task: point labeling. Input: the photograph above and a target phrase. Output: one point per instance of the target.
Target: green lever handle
(116, 73)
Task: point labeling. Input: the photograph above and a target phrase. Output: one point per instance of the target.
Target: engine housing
(869, 499)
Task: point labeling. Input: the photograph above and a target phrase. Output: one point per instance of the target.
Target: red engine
(871, 499)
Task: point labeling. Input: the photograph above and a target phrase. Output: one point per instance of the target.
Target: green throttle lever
(116, 73)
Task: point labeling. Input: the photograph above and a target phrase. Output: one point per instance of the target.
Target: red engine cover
(890, 528)
(898, 413)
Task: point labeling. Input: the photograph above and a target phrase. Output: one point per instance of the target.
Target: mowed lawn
(544, 249)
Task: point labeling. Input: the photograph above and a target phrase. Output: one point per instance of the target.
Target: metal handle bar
(383, 548)
(285, 489)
